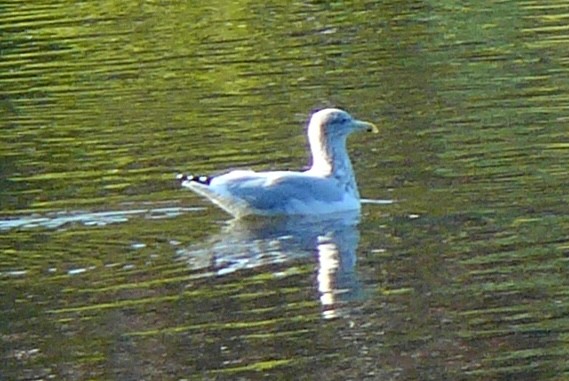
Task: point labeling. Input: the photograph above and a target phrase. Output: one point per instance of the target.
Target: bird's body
(329, 186)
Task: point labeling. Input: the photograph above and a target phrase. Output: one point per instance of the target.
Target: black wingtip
(181, 177)
(198, 179)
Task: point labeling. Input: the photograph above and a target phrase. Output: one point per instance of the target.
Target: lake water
(457, 268)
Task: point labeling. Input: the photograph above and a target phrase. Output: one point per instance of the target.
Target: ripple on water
(60, 219)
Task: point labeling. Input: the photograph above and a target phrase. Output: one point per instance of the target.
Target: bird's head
(333, 122)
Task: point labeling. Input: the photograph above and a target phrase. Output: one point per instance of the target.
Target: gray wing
(276, 194)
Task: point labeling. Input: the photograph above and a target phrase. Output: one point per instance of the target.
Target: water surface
(109, 271)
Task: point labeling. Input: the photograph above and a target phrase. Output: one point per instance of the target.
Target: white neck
(330, 159)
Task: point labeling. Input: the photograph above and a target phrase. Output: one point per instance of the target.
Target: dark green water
(457, 270)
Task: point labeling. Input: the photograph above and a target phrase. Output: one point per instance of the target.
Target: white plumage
(329, 186)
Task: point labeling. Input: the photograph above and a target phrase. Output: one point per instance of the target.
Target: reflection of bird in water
(258, 242)
(329, 186)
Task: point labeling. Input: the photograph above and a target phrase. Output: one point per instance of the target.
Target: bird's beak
(365, 126)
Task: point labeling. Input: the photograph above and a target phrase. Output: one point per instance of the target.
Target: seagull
(328, 187)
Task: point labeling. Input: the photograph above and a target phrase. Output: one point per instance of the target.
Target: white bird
(329, 186)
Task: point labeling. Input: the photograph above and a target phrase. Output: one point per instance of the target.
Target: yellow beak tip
(373, 128)
(370, 127)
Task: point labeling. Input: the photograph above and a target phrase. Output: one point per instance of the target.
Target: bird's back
(272, 193)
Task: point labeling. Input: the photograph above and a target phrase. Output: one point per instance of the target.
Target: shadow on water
(256, 242)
